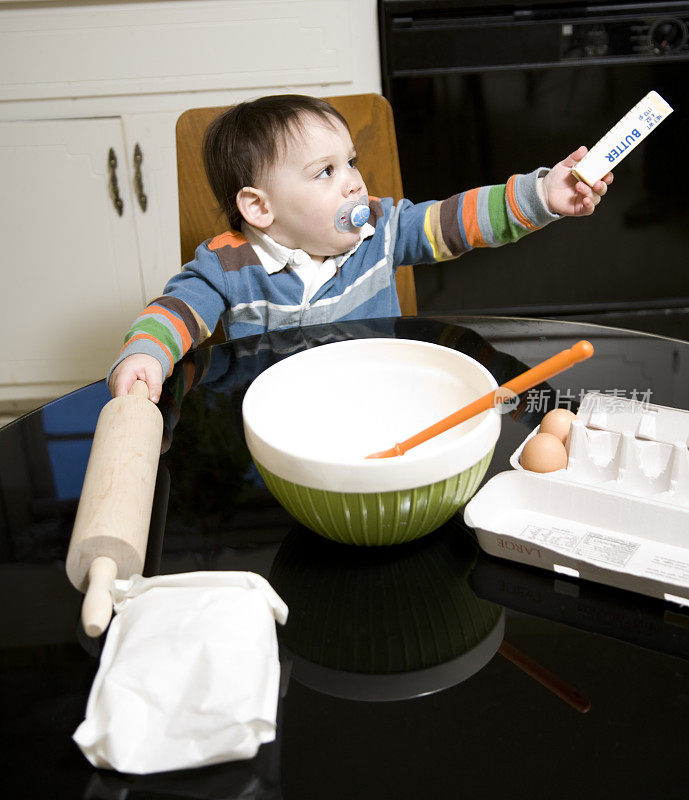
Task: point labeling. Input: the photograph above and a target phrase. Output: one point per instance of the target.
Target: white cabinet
(77, 79)
(70, 262)
(81, 252)
(157, 227)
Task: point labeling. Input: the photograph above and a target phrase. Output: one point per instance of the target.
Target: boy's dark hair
(247, 139)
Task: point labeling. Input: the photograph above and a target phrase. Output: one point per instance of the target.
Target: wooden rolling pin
(111, 526)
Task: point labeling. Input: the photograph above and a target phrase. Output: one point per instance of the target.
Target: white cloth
(189, 674)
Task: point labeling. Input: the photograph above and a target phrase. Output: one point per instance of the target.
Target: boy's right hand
(137, 367)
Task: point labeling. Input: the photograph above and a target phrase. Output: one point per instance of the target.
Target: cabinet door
(155, 175)
(70, 263)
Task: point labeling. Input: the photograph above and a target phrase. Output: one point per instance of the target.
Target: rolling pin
(110, 531)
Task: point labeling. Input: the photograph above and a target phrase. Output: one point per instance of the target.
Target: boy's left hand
(564, 194)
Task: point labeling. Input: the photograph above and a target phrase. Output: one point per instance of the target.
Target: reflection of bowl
(311, 420)
(382, 623)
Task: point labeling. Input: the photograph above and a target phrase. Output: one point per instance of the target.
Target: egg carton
(618, 514)
(626, 447)
(644, 421)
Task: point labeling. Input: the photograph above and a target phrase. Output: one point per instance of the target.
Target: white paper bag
(189, 674)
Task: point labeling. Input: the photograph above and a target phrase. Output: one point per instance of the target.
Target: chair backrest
(373, 132)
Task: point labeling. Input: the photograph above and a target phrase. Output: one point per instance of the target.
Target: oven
(481, 90)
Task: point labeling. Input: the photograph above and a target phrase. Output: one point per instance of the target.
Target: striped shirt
(227, 282)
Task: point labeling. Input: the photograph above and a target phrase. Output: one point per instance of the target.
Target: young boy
(282, 168)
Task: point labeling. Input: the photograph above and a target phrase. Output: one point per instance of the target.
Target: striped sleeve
(166, 329)
(489, 216)
(185, 315)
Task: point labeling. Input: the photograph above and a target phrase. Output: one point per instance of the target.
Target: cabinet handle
(114, 186)
(138, 179)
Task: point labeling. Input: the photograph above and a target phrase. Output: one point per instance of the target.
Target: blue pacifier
(352, 215)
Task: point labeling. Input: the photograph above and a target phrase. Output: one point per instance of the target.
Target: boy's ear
(254, 207)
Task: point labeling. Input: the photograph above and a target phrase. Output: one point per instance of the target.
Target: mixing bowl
(311, 420)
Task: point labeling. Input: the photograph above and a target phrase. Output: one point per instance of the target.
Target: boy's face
(315, 174)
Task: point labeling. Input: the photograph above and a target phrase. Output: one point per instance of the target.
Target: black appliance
(481, 90)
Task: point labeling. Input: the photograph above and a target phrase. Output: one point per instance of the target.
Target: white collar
(274, 256)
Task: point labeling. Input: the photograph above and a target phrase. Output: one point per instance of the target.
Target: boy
(282, 168)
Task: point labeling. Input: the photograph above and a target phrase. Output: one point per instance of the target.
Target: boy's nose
(353, 184)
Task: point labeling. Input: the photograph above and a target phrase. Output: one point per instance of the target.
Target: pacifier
(352, 215)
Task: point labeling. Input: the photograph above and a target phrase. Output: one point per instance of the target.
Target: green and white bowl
(311, 420)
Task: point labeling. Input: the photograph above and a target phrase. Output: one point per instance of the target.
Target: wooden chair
(373, 131)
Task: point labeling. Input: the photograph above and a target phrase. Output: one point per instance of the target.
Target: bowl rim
(416, 468)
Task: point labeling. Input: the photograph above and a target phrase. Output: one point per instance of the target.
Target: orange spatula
(541, 372)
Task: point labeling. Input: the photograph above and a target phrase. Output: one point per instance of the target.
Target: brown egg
(558, 422)
(543, 453)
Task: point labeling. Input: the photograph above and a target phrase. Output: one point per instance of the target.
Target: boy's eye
(353, 161)
(326, 173)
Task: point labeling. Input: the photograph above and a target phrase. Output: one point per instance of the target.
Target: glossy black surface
(414, 629)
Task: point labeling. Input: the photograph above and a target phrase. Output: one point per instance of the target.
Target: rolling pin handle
(139, 389)
(96, 610)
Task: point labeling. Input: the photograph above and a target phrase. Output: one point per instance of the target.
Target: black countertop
(399, 690)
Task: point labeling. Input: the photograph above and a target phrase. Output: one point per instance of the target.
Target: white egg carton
(626, 447)
(618, 514)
